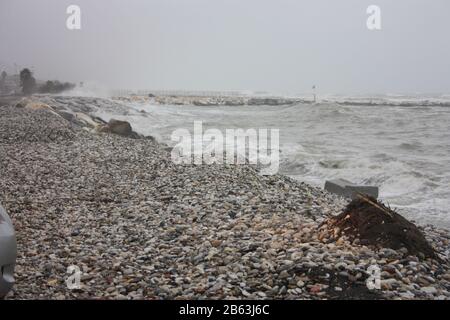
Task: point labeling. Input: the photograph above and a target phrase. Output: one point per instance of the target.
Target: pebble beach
(139, 226)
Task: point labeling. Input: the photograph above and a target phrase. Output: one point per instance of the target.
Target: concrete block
(348, 189)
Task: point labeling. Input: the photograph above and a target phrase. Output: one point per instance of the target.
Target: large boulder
(28, 104)
(121, 128)
(81, 119)
(38, 106)
(85, 120)
(23, 103)
(69, 116)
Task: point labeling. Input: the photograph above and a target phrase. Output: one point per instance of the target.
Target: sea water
(405, 150)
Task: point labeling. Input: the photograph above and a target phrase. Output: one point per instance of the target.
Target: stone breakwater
(140, 227)
(212, 101)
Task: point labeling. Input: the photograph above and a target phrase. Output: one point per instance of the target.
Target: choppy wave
(404, 150)
(421, 101)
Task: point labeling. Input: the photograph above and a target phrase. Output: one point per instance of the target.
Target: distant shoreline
(273, 101)
(232, 100)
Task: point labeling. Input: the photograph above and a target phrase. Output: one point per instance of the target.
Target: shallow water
(403, 150)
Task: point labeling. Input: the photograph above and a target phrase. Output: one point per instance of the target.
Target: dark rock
(121, 128)
(269, 102)
(347, 189)
(67, 116)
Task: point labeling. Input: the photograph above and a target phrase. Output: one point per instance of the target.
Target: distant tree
(69, 86)
(27, 81)
(56, 87)
(3, 82)
(48, 87)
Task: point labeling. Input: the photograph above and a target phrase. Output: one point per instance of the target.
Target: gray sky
(272, 45)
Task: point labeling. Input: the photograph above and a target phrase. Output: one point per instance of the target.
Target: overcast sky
(271, 45)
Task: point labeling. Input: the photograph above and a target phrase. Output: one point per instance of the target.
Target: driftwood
(373, 223)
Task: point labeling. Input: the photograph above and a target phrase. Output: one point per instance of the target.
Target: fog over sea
(405, 150)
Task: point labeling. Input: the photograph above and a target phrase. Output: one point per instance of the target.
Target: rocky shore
(213, 100)
(140, 227)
